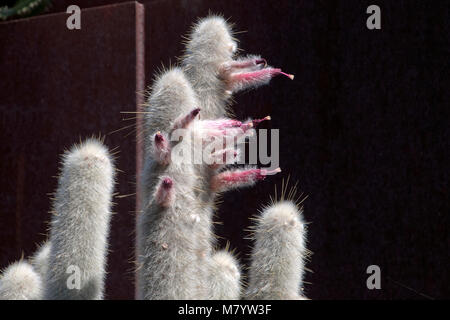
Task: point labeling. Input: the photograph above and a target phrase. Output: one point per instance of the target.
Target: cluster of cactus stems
(175, 241)
(78, 234)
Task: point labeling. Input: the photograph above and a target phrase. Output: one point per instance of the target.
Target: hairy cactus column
(277, 259)
(80, 224)
(191, 198)
(20, 282)
(209, 45)
(221, 272)
(168, 237)
(170, 97)
(215, 73)
(39, 260)
(171, 105)
(224, 276)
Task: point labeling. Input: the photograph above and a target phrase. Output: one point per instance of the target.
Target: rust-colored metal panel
(58, 86)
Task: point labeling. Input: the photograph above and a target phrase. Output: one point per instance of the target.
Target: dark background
(364, 128)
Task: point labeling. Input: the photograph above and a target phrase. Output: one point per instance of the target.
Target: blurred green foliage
(24, 8)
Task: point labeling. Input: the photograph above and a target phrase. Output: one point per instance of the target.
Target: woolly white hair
(224, 277)
(211, 41)
(167, 237)
(170, 96)
(80, 224)
(210, 45)
(20, 282)
(175, 237)
(277, 259)
(191, 238)
(167, 233)
(215, 73)
(39, 260)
